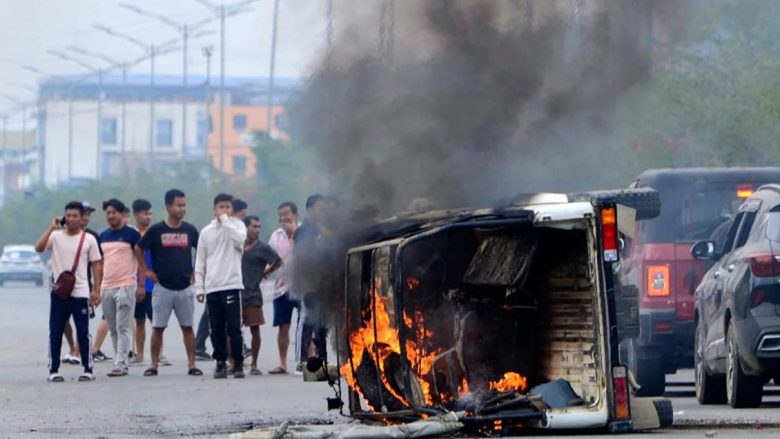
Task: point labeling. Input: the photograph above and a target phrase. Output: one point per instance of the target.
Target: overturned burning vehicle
(510, 317)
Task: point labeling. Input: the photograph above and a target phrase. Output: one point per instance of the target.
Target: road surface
(174, 404)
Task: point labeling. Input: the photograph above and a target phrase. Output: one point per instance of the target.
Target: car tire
(742, 391)
(710, 389)
(648, 372)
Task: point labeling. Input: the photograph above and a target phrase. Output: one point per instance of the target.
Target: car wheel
(648, 372)
(742, 391)
(710, 389)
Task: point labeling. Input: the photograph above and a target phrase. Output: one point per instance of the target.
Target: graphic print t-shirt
(171, 252)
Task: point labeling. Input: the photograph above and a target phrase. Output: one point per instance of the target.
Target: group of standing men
(130, 266)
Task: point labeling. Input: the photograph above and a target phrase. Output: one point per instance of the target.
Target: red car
(696, 204)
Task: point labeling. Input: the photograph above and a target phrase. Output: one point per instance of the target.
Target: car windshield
(20, 255)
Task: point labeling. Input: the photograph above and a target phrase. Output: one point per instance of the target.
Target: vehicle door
(711, 292)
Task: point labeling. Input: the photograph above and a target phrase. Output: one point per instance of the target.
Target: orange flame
(512, 381)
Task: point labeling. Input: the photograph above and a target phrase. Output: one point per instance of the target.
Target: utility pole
(207, 50)
(223, 11)
(269, 115)
(185, 29)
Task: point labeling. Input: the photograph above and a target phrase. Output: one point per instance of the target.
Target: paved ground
(175, 405)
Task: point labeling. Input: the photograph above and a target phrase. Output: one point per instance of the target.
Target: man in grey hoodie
(218, 280)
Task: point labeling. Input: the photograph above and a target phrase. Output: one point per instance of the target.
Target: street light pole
(269, 120)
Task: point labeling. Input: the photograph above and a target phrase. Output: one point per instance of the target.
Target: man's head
(86, 214)
(115, 213)
(142, 211)
(288, 216)
(74, 215)
(316, 208)
(239, 208)
(253, 227)
(223, 203)
(176, 204)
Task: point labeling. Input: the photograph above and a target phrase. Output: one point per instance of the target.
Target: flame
(463, 388)
(512, 381)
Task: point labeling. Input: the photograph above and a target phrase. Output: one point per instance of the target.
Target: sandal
(117, 373)
(86, 376)
(151, 372)
(55, 378)
(195, 372)
(255, 372)
(277, 371)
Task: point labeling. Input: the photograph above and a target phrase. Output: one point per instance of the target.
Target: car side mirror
(704, 251)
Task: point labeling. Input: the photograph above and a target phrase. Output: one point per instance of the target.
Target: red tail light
(609, 232)
(658, 284)
(764, 264)
(620, 390)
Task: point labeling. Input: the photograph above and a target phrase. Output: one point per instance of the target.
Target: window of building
(165, 132)
(203, 132)
(239, 122)
(108, 131)
(239, 165)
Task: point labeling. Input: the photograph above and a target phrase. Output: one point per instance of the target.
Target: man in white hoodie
(218, 280)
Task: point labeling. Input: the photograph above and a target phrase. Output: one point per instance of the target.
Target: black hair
(116, 204)
(172, 195)
(220, 198)
(291, 205)
(248, 220)
(141, 205)
(314, 199)
(75, 205)
(239, 205)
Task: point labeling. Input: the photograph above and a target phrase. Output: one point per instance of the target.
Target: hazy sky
(29, 28)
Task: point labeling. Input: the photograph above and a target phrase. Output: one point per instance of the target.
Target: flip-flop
(55, 378)
(195, 372)
(117, 373)
(277, 371)
(150, 372)
(255, 372)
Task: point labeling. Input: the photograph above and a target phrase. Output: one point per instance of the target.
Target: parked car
(657, 260)
(737, 308)
(21, 263)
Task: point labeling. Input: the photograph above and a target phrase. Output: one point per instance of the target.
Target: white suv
(21, 263)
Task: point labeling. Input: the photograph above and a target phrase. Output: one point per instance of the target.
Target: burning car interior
(496, 319)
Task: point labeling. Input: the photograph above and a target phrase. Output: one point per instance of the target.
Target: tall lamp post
(152, 51)
(222, 11)
(184, 29)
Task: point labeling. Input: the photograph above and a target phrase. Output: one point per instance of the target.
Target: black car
(737, 306)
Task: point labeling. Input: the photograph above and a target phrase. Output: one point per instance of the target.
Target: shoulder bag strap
(78, 252)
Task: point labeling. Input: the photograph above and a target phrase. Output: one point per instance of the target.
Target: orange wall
(256, 118)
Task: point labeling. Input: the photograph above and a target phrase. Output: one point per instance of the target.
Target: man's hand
(140, 294)
(151, 276)
(95, 297)
(55, 223)
(200, 297)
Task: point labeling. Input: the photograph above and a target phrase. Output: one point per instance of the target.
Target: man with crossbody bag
(72, 251)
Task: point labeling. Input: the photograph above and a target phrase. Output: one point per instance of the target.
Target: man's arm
(235, 229)
(200, 268)
(273, 267)
(97, 277)
(43, 240)
(143, 269)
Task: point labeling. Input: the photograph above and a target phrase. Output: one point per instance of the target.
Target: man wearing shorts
(259, 261)
(170, 245)
(218, 281)
(282, 243)
(142, 212)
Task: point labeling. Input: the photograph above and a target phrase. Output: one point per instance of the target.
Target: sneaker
(299, 369)
(99, 357)
(163, 361)
(238, 373)
(247, 352)
(221, 370)
(203, 356)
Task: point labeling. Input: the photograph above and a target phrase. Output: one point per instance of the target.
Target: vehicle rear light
(764, 264)
(663, 327)
(609, 233)
(744, 190)
(620, 390)
(758, 298)
(658, 281)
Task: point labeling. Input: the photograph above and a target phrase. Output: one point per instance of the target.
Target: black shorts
(144, 309)
(283, 309)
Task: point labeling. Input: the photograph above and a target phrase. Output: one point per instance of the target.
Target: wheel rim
(730, 366)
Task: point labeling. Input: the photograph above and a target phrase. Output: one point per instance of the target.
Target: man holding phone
(72, 250)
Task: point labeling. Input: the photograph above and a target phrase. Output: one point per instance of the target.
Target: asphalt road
(175, 405)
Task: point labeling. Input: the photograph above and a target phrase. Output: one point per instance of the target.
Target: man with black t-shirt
(170, 245)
